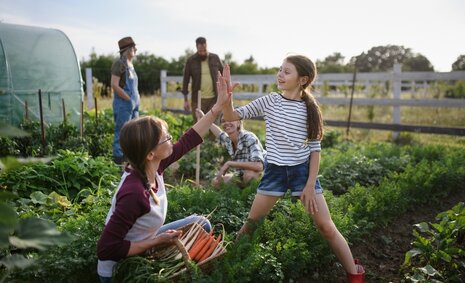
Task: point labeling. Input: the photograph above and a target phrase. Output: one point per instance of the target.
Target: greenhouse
(33, 59)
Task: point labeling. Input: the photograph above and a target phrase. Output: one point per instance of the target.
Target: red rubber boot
(359, 277)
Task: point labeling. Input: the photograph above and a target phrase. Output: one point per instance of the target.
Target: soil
(383, 252)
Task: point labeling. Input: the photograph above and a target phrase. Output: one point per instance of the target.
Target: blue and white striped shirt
(286, 128)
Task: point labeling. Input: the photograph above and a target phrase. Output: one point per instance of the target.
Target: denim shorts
(278, 179)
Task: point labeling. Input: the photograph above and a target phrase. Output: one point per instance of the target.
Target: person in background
(294, 129)
(202, 68)
(245, 149)
(134, 223)
(126, 98)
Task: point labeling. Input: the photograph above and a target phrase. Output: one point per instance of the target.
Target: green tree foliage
(333, 63)
(248, 67)
(417, 63)
(459, 64)
(382, 58)
(148, 66)
(100, 65)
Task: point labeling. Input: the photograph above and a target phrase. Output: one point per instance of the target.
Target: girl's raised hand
(227, 76)
(223, 95)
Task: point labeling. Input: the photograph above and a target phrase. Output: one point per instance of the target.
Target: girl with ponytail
(294, 130)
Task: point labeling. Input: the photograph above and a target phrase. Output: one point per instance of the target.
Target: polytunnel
(33, 58)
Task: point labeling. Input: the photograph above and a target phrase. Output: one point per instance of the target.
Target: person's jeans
(202, 220)
(123, 111)
(105, 279)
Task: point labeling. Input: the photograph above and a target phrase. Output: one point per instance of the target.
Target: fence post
(89, 88)
(163, 82)
(396, 90)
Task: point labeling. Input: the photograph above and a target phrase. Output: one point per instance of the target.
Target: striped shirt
(286, 128)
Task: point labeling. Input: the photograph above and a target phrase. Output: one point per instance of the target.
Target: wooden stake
(351, 100)
(42, 129)
(64, 110)
(197, 163)
(81, 126)
(26, 110)
(96, 110)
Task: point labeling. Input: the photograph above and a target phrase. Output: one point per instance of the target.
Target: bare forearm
(229, 114)
(248, 165)
(314, 167)
(215, 130)
(203, 125)
(140, 247)
(119, 91)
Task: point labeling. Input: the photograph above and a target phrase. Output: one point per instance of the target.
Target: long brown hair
(137, 138)
(305, 67)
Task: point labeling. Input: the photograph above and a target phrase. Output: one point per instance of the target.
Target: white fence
(397, 80)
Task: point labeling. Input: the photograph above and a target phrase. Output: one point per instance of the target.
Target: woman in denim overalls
(126, 99)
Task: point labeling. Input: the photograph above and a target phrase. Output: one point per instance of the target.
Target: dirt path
(383, 252)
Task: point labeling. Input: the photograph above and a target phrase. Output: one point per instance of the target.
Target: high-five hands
(227, 76)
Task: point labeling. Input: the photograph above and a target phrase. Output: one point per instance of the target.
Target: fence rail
(396, 79)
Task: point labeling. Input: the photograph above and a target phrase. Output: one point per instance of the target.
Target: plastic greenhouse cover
(33, 58)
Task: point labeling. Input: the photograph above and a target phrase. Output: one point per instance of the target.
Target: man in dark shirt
(203, 68)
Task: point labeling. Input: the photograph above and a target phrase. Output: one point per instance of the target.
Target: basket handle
(185, 255)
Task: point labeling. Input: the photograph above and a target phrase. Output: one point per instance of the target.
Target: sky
(264, 29)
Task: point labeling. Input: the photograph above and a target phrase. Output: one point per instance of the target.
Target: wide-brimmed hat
(125, 43)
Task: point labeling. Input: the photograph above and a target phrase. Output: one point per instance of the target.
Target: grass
(447, 117)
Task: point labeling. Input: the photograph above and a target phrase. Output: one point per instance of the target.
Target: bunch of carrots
(205, 246)
(195, 245)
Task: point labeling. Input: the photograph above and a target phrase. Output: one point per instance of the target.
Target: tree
(459, 64)
(333, 64)
(247, 68)
(382, 58)
(148, 67)
(101, 66)
(418, 63)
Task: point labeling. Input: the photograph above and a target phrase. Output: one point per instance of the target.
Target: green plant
(331, 139)
(19, 236)
(456, 91)
(367, 167)
(67, 174)
(438, 253)
(211, 157)
(8, 147)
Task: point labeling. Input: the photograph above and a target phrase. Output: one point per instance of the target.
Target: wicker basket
(205, 265)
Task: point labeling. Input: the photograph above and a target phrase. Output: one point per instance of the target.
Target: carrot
(210, 250)
(193, 237)
(197, 247)
(205, 248)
